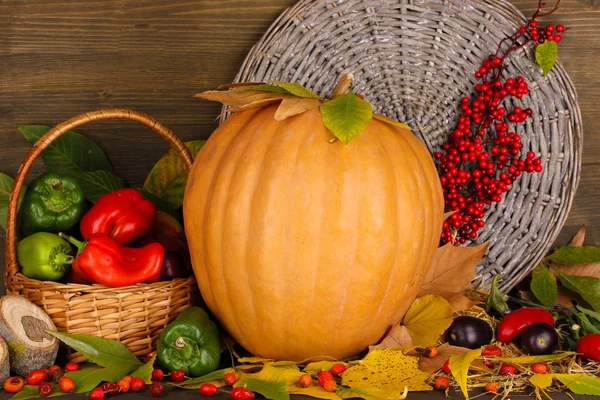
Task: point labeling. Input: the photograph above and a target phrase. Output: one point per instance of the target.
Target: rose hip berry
(491, 351)
(178, 375)
(487, 363)
(240, 393)
(71, 367)
(337, 369)
(330, 386)
(36, 377)
(14, 384)
(97, 394)
(137, 384)
(446, 367)
(66, 384)
(324, 376)
(124, 384)
(158, 375)
(45, 389)
(208, 389)
(441, 383)
(491, 387)
(305, 381)
(430, 352)
(229, 379)
(507, 369)
(539, 368)
(56, 368)
(156, 389)
(49, 374)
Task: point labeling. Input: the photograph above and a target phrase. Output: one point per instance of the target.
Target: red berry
(305, 381)
(432, 351)
(14, 384)
(97, 394)
(533, 24)
(337, 369)
(124, 384)
(539, 368)
(491, 387)
(36, 377)
(441, 383)
(158, 375)
(49, 374)
(110, 388)
(330, 386)
(66, 384)
(230, 379)
(324, 376)
(208, 389)
(240, 393)
(137, 384)
(156, 389)
(178, 375)
(488, 363)
(446, 367)
(557, 38)
(45, 389)
(70, 367)
(560, 28)
(507, 369)
(491, 351)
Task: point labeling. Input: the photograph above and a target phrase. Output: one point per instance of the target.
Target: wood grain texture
(61, 58)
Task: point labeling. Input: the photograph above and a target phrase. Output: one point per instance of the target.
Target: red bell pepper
(123, 215)
(102, 260)
(517, 321)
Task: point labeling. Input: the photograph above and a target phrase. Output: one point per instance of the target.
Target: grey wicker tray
(414, 60)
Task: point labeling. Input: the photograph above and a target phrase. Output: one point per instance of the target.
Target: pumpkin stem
(342, 85)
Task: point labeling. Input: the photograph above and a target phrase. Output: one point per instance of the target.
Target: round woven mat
(414, 60)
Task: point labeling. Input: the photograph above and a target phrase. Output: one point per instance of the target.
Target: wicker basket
(134, 315)
(414, 60)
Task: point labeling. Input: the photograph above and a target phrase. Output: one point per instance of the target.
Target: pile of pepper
(120, 242)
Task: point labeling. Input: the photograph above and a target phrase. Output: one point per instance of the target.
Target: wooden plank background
(61, 58)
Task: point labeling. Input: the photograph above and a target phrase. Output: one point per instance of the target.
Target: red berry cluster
(540, 35)
(481, 160)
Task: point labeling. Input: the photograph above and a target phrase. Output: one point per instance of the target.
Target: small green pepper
(52, 203)
(191, 343)
(44, 256)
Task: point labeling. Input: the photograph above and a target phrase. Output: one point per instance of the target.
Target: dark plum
(539, 338)
(469, 332)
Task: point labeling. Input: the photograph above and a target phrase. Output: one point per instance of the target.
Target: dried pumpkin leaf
(295, 106)
(391, 121)
(388, 370)
(371, 393)
(397, 337)
(459, 366)
(296, 89)
(239, 98)
(452, 270)
(427, 318)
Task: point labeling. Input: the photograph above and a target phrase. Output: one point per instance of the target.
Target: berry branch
(482, 160)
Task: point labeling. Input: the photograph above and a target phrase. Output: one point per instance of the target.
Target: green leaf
(546, 55)
(269, 382)
(94, 184)
(6, 183)
(371, 393)
(459, 366)
(264, 88)
(71, 153)
(586, 325)
(588, 287)
(593, 314)
(195, 383)
(162, 205)
(88, 378)
(496, 299)
(145, 371)
(31, 392)
(346, 116)
(296, 89)
(543, 285)
(526, 360)
(580, 383)
(106, 353)
(572, 255)
(168, 177)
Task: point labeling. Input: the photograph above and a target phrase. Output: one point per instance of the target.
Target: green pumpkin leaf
(459, 366)
(168, 177)
(270, 382)
(370, 393)
(496, 299)
(88, 378)
(546, 55)
(6, 184)
(195, 383)
(346, 116)
(94, 184)
(296, 89)
(587, 286)
(580, 383)
(543, 285)
(106, 353)
(571, 255)
(71, 153)
(145, 371)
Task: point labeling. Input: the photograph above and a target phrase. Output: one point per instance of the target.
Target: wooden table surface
(62, 58)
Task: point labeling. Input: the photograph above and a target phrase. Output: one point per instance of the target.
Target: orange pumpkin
(303, 247)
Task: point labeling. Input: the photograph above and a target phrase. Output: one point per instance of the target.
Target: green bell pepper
(44, 256)
(52, 203)
(191, 343)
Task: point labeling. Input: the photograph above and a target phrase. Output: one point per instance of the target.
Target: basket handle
(117, 113)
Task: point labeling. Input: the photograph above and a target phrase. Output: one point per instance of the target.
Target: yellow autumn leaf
(541, 381)
(371, 393)
(255, 360)
(271, 382)
(313, 391)
(526, 360)
(388, 370)
(459, 366)
(316, 367)
(427, 318)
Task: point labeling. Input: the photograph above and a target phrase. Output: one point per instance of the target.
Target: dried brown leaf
(256, 104)
(396, 337)
(579, 237)
(448, 214)
(294, 106)
(240, 98)
(445, 351)
(451, 272)
(239, 84)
